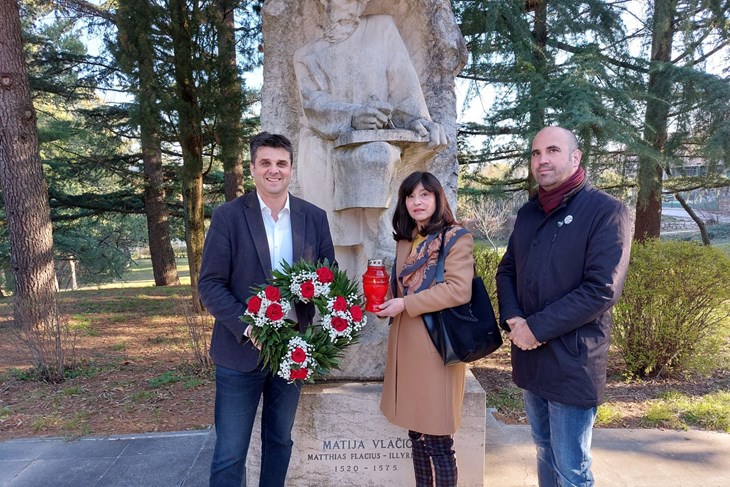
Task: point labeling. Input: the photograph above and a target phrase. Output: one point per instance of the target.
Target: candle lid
(375, 263)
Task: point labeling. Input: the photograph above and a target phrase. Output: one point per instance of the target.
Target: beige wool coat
(420, 393)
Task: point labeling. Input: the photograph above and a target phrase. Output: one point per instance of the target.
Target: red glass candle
(375, 283)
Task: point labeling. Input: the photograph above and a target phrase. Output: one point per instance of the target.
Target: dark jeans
(434, 460)
(237, 397)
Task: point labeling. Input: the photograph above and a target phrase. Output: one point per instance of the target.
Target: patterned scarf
(419, 270)
(550, 200)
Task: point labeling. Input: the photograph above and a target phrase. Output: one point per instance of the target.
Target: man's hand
(391, 308)
(521, 335)
(374, 115)
(247, 334)
(436, 134)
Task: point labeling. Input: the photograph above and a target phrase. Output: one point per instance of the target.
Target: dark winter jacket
(563, 273)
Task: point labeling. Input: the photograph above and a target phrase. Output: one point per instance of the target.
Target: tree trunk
(695, 218)
(230, 103)
(72, 274)
(659, 91)
(164, 267)
(26, 203)
(134, 26)
(191, 140)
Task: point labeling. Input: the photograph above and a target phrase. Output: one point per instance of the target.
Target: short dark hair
(403, 224)
(266, 139)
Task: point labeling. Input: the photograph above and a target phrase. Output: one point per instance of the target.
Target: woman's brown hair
(403, 224)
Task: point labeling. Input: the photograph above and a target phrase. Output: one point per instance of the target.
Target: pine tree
(26, 204)
(136, 51)
(639, 116)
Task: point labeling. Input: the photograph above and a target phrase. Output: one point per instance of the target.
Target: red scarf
(552, 199)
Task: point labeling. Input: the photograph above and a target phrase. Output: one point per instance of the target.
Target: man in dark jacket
(248, 237)
(563, 271)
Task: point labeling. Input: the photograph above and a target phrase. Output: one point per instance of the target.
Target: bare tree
(492, 217)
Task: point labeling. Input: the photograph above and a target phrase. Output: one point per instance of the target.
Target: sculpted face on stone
(343, 17)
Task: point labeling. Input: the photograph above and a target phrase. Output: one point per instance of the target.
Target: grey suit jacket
(236, 258)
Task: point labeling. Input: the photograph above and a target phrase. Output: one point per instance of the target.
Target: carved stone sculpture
(365, 90)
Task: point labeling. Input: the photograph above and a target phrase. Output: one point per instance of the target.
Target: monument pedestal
(341, 438)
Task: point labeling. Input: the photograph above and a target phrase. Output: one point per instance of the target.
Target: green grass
(81, 369)
(507, 399)
(166, 378)
(78, 422)
(72, 391)
(193, 382)
(679, 411)
(44, 422)
(142, 396)
(21, 374)
(81, 323)
(140, 274)
(607, 415)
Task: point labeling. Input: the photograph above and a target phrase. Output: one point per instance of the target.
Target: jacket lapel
(298, 226)
(402, 250)
(252, 211)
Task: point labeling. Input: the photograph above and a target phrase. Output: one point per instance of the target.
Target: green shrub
(673, 307)
(486, 260)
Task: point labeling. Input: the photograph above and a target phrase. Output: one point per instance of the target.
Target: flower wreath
(302, 356)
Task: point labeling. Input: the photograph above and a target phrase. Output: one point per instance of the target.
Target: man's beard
(340, 30)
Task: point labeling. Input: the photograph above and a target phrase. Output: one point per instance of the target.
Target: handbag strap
(442, 258)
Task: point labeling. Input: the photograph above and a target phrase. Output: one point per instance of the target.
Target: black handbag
(467, 332)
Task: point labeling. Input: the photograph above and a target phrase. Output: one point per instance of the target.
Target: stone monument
(392, 112)
(365, 91)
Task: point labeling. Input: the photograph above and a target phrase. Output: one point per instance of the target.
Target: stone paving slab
(622, 458)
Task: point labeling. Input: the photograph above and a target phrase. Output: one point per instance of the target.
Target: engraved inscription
(357, 456)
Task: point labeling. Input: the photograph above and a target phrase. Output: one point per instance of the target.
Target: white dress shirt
(278, 234)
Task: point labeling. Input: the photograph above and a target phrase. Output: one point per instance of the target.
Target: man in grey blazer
(247, 238)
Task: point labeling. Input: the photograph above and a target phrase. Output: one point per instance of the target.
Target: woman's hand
(391, 307)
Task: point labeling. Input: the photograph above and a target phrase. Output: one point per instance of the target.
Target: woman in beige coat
(420, 393)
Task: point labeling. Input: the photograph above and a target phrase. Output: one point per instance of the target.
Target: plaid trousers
(434, 460)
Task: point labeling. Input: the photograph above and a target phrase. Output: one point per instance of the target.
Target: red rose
(356, 313)
(254, 304)
(298, 374)
(298, 355)
(307, 289)
(272, 293)
(325, 275)
(340, 304)
(274, 312)
(338, 323)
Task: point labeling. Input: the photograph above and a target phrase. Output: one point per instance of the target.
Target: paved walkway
(621, 458)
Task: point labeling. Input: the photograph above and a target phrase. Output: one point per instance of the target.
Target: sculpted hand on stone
(375, 115)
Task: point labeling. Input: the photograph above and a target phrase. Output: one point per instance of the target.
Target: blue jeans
(237, 397)
(562, 434)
